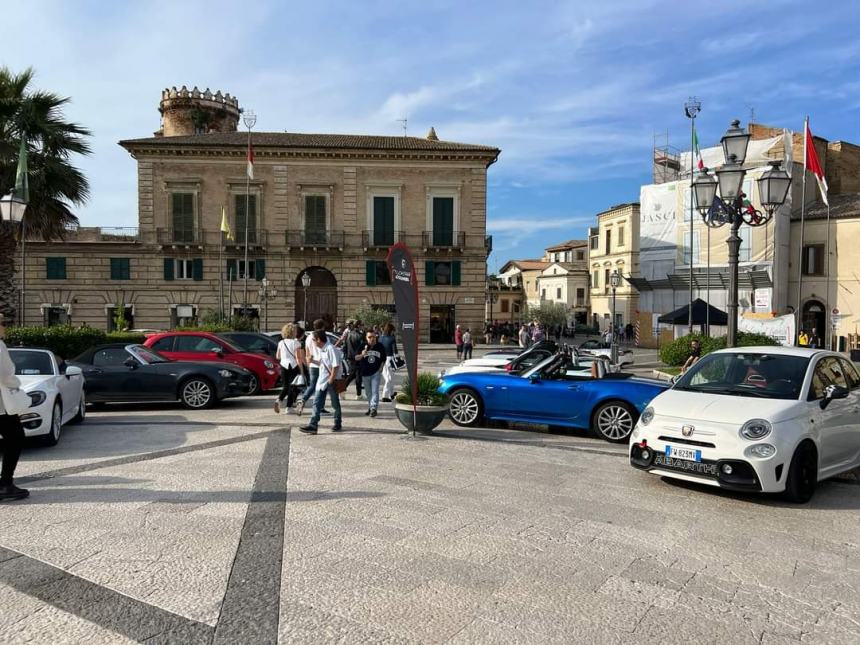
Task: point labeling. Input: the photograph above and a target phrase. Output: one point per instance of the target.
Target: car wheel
(802, 474)
(254, 387)
(82, 410)
(197, 394)
(465, 408)
(614, 421)
(53, 436)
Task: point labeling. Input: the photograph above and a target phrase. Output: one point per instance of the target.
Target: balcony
(179, 237)
(453, 240)
(257, 238)
(314, 240)
(381, 239)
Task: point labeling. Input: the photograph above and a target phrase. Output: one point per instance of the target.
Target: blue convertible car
(558, 391)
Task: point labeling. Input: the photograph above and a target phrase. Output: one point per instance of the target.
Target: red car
(204, 346)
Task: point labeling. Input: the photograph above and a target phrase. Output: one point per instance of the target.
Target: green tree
(55, 184)
(548, 314)
(370, 316)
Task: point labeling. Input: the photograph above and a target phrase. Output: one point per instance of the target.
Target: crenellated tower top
(186, 112)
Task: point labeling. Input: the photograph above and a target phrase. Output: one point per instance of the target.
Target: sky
(573, 93)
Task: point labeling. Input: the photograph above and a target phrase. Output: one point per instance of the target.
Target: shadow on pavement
(830, 494)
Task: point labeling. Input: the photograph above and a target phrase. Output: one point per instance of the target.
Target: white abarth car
(764, 419)
(57, 392)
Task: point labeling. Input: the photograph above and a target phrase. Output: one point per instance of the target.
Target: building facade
(328, 206)
(613, 245)
(526, 273)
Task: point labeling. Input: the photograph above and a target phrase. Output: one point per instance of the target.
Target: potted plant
(431, 405)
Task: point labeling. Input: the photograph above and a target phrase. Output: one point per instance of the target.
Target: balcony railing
(256, 237)
(444, 239)
(314, 240)
(381, 239)
(179, 237)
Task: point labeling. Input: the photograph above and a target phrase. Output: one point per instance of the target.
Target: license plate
(685, 465)
(690, 454)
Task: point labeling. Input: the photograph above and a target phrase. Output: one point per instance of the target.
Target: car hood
(31, 382)
(206, 365)
(723, 408)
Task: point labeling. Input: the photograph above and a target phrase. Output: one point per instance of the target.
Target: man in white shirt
(329, 367)
(312, 358)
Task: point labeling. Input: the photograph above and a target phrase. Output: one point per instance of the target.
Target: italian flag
(696, 151)
(250, 160)
(811, 163)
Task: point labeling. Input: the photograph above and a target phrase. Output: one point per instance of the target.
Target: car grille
(689, 442)
(704, 468)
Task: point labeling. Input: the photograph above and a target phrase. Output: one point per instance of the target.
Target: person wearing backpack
(291, 356)
(354, 345)
(330, 370)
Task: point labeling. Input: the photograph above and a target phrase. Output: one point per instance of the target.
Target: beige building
(614, 246)
(526, 273)
(565, 280)
(326, 205)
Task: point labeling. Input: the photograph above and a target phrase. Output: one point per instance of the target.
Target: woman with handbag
(389, 341)
(291, 355)
(12, 403)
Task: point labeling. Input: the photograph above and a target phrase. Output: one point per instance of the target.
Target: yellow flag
(225, 225)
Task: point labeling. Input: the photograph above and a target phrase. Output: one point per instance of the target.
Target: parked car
(252, 341)
(559, 391)
(598, 348)
(206, 346)
(508, 362)
(57, 391)
(128, 373)
(762, 419)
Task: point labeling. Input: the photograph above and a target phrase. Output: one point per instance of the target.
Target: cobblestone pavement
(224, 526)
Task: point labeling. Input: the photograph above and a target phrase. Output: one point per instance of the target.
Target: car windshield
(31, 363)
(147, 355)
(757, 375)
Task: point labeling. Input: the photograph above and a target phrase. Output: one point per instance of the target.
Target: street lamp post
(306, 282)
(12, 207)
(249, 119)
(614, 281)
(265, 294)
(729, 207)
(691, 108)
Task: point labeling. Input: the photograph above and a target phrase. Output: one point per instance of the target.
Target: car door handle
(573, 387)
(490, 387)
(95, 371)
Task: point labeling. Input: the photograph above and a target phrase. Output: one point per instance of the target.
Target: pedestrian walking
(389, 341)
(458, 341)
(291, 357)
(814, 338)
(488, 333)
(330, 368)
(353, 346)
(10, 424)
(313, 363)
(370, 362)
(467, 344)
(537, 334)
(523, 336)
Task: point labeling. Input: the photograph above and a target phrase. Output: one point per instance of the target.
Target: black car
(128, 373)
(251, 341)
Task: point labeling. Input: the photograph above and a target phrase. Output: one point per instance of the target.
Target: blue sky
(572, 92)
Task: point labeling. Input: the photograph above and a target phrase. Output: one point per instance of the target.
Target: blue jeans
(371, 386)
(312, 383)
(319, 402)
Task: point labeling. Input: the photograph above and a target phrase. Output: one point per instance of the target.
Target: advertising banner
(404, 283)
(781, 327)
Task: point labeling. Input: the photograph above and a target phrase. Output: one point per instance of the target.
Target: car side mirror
(832, 392)
(130, 363)
(218, 352)
(534, 378)
(72, 370)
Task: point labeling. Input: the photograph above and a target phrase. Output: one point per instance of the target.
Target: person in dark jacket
(389, 341)
(353, 346)
(10, 426)
(370, 362)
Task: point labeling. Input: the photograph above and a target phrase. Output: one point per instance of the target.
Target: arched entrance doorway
(319, 300)
(814, 316)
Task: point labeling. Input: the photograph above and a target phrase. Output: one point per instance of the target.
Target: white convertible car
(57, 392)
(596, 348)
(763, 419)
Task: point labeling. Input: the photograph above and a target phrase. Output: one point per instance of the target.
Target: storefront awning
(718, 278)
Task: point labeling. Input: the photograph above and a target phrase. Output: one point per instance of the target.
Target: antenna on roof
(403, 123)
(752, 113)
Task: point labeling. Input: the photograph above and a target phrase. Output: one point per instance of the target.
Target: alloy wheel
(464, 409)
(196, 394)
(614, 422)
(56, 422)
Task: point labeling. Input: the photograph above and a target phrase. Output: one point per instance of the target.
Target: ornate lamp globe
(731, 178)
(773, 187)
(705, 190)
(735, 142)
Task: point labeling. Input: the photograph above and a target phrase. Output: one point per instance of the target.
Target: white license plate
(690, 454)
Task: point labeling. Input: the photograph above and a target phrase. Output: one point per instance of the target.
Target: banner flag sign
(404, 283)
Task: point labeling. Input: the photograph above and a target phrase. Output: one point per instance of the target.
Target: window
(236, 269)
(315, 219)
(606, 283)
(443, 221)
(620, 235)
(595, 281)
(55, 268)
(595, 240)
(543, 294)
(558, 293)
(580, 255)
(182, 217)
(383, 220)
(127, 318)
(696, 249)
(608, 241)
(850, 373)
(376, 273)
(191, 343)
(580, 296)
(745, 250)
(239, 233)
(111, 357)
(120, 269)
(184, 269)
(163, 344)
(827, 372)
(442, 273)
(56, 316)
(505, 306)
(813, 259)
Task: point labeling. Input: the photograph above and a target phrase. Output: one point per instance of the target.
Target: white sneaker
(300, 406)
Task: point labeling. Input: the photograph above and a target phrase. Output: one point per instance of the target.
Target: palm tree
(55, 184)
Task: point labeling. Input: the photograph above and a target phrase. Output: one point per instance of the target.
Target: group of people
(313, 366)
(809, 339)
(625, 334)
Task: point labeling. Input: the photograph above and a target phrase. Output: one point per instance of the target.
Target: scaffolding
(666, 160)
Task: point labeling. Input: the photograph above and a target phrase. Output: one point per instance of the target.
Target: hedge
(64, 340)
(676, 352)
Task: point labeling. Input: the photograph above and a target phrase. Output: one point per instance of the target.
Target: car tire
(802, 474)
(466, 408)
(197, 393)
(614, 421)
(53, 436)
(255, 388)
(82, 410)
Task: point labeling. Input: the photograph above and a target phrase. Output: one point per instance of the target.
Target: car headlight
(647, 416)
(269, 365)
(760, 450)
(38, 397)
(755, 429)
(225, 373)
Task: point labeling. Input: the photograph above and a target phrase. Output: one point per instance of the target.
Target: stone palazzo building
(328, 205)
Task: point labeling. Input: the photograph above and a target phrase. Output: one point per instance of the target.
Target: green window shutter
(429, 273)
(455, 273)
(240, 218)
(315, 219)
(370, 273)
(168, 268)
(260, 270)
(239, 233)
(443, 221)
(183, 217)
(383, 221)
(231, 270)
(120, 269)
(55, 268)
(197, 269)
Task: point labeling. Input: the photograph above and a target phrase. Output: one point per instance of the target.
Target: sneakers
(337, 429)
(385, 399)
(300, 406)
(277, 407)
(373, 412)
(308, 429)
(9, 492)
(367, 414)
(324, 411)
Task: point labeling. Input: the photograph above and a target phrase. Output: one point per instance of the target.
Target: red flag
(250, 161)
(811, 163)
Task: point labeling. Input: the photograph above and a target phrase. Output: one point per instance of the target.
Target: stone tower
(186, 112)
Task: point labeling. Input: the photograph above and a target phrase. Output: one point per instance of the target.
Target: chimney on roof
(431, 136)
